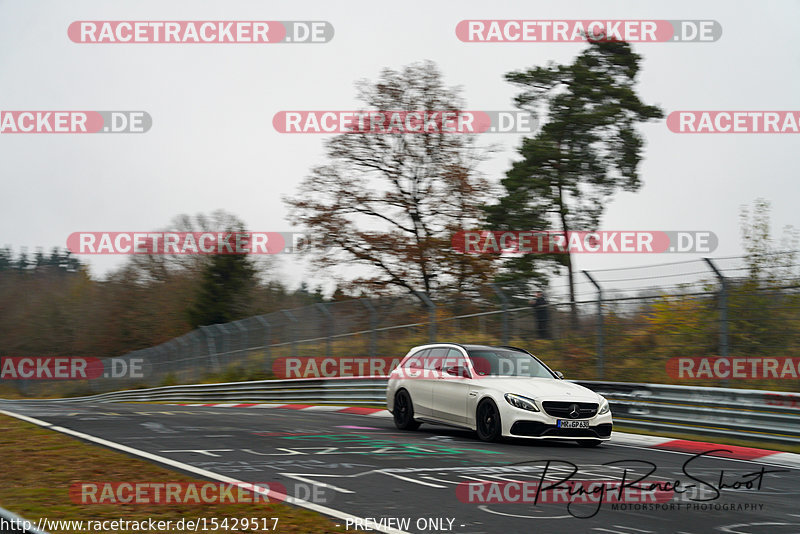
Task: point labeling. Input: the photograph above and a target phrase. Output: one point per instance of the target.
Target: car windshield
(501, 362)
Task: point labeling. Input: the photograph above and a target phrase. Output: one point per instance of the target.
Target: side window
(436, 358)
(455, 358)
(483, 362)
(416, 359)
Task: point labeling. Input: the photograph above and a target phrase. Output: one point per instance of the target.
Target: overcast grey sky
(212, 144)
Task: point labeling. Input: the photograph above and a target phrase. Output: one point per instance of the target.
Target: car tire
(487, 421)
(589, 442)
(404, 412)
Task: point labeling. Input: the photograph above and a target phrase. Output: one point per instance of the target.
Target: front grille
(537, 429)
(571, 432)
(562, 409)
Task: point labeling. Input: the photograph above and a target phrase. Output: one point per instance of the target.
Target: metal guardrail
(767, 416)
(367, 390)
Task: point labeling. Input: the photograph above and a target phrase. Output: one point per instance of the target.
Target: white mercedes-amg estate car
(495, 391)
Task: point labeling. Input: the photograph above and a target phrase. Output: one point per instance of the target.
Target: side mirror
(560, 375)
(457, 371)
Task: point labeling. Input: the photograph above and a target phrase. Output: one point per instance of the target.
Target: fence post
(504, 307)
(146, 366)
(158, 350)
(212, 347)
(293, 321)
(243, 346)
(226, 342)
(723, 310)
(183, 354)
(324, 309)
(171, 350)
(600, 330)
(267, 336)
(431, 314)
(197, 350)
(373, 325)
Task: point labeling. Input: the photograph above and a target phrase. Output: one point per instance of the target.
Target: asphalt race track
(362, 467)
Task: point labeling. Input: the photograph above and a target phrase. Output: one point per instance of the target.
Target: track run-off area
(354, 466)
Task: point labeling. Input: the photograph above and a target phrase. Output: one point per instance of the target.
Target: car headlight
(523, 403)
(604, 407)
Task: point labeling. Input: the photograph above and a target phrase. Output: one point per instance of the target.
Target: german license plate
(566, 423)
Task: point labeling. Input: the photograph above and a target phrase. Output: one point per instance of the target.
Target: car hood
(540, 388)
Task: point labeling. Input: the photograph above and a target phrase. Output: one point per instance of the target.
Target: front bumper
(541, 425)
(537, 429)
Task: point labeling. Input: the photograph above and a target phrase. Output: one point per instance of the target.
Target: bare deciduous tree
(390, 202)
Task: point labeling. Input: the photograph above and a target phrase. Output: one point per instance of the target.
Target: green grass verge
(39, 466)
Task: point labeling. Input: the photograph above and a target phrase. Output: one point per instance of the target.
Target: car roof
(473, 346)
(494, 347)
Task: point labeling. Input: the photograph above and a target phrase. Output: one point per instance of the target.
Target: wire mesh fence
(626, 324)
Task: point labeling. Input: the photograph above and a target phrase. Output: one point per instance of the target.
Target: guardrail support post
(504, 306)
(600, 332)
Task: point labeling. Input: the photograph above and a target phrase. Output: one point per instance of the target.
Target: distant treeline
(50, 305)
